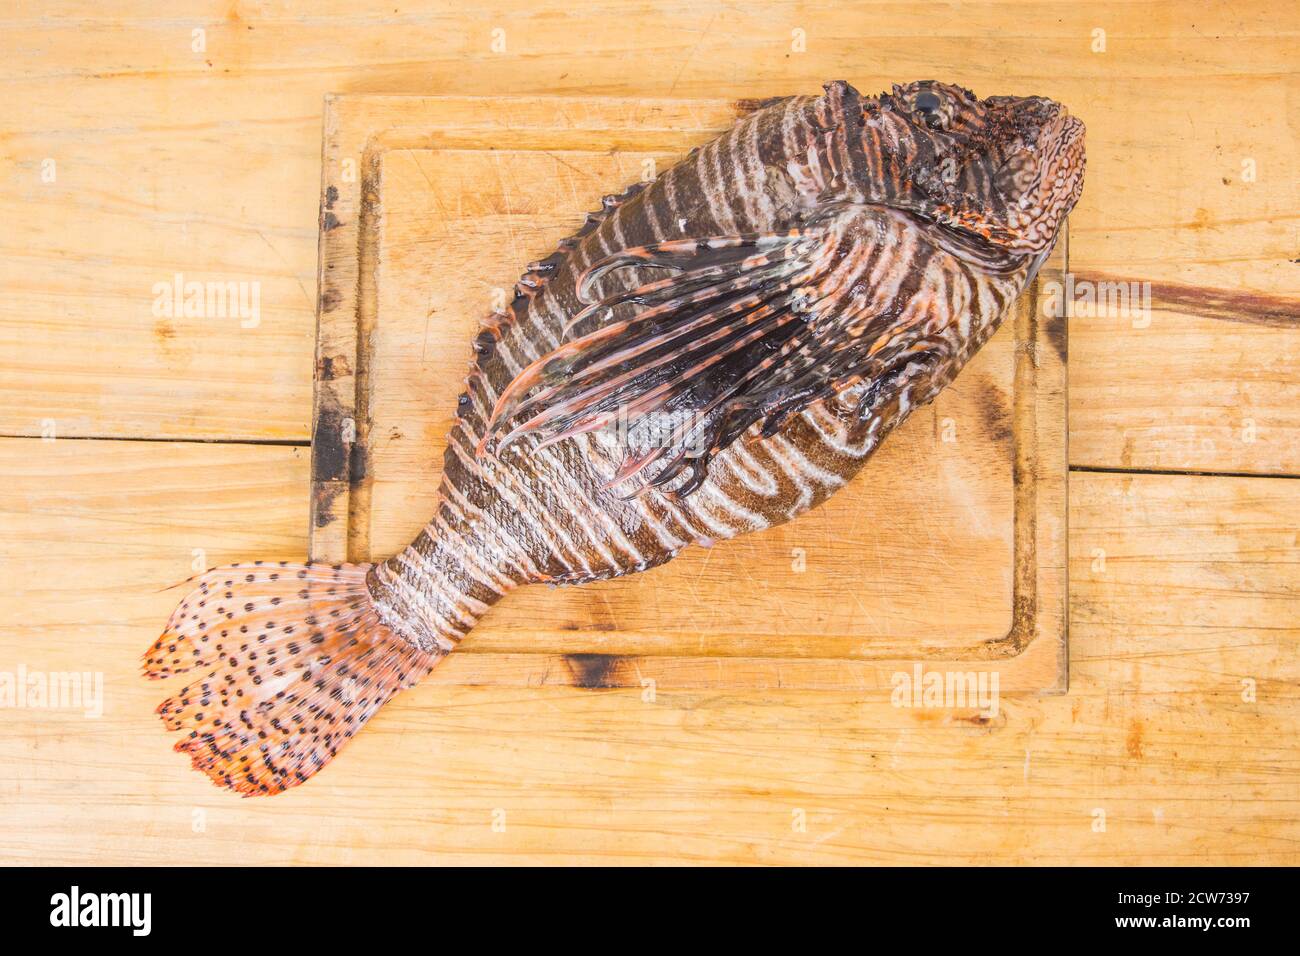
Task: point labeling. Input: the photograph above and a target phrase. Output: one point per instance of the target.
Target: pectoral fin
(710, 336)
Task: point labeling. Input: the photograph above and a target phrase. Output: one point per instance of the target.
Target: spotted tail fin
(295, 660)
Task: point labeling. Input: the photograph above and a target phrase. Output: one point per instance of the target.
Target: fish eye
(927, 104)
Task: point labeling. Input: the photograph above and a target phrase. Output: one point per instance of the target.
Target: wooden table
(137, 444)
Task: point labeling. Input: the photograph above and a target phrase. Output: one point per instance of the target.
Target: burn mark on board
(358, 462)
(329, 460)
(323, 497)
(1058, 333)
(596, 671)
(330, 367)
(328, 220)
(995, 416)
(330, 299)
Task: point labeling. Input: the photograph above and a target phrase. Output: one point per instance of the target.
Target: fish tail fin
(295, 659)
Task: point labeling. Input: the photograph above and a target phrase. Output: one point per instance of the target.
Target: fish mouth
(1040, 181)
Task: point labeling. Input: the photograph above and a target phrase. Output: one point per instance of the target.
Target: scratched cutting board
(948, 551)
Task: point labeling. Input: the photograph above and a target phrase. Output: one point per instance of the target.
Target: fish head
(1005, 170)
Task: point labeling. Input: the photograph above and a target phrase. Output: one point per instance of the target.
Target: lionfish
(713, 353)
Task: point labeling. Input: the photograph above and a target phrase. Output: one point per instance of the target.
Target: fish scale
(711, 354)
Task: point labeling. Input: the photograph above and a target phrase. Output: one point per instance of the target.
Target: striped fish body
(712, 353)
(549, 515)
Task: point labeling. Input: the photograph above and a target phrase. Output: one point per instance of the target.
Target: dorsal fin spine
(538, 274)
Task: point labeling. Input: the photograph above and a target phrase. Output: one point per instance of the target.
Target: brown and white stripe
(544, 513)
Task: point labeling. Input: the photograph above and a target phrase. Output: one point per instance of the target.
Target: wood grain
(1198, 592)
(206, 163)
(1166, 405)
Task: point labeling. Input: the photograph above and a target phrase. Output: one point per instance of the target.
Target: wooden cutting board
(948, 552)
